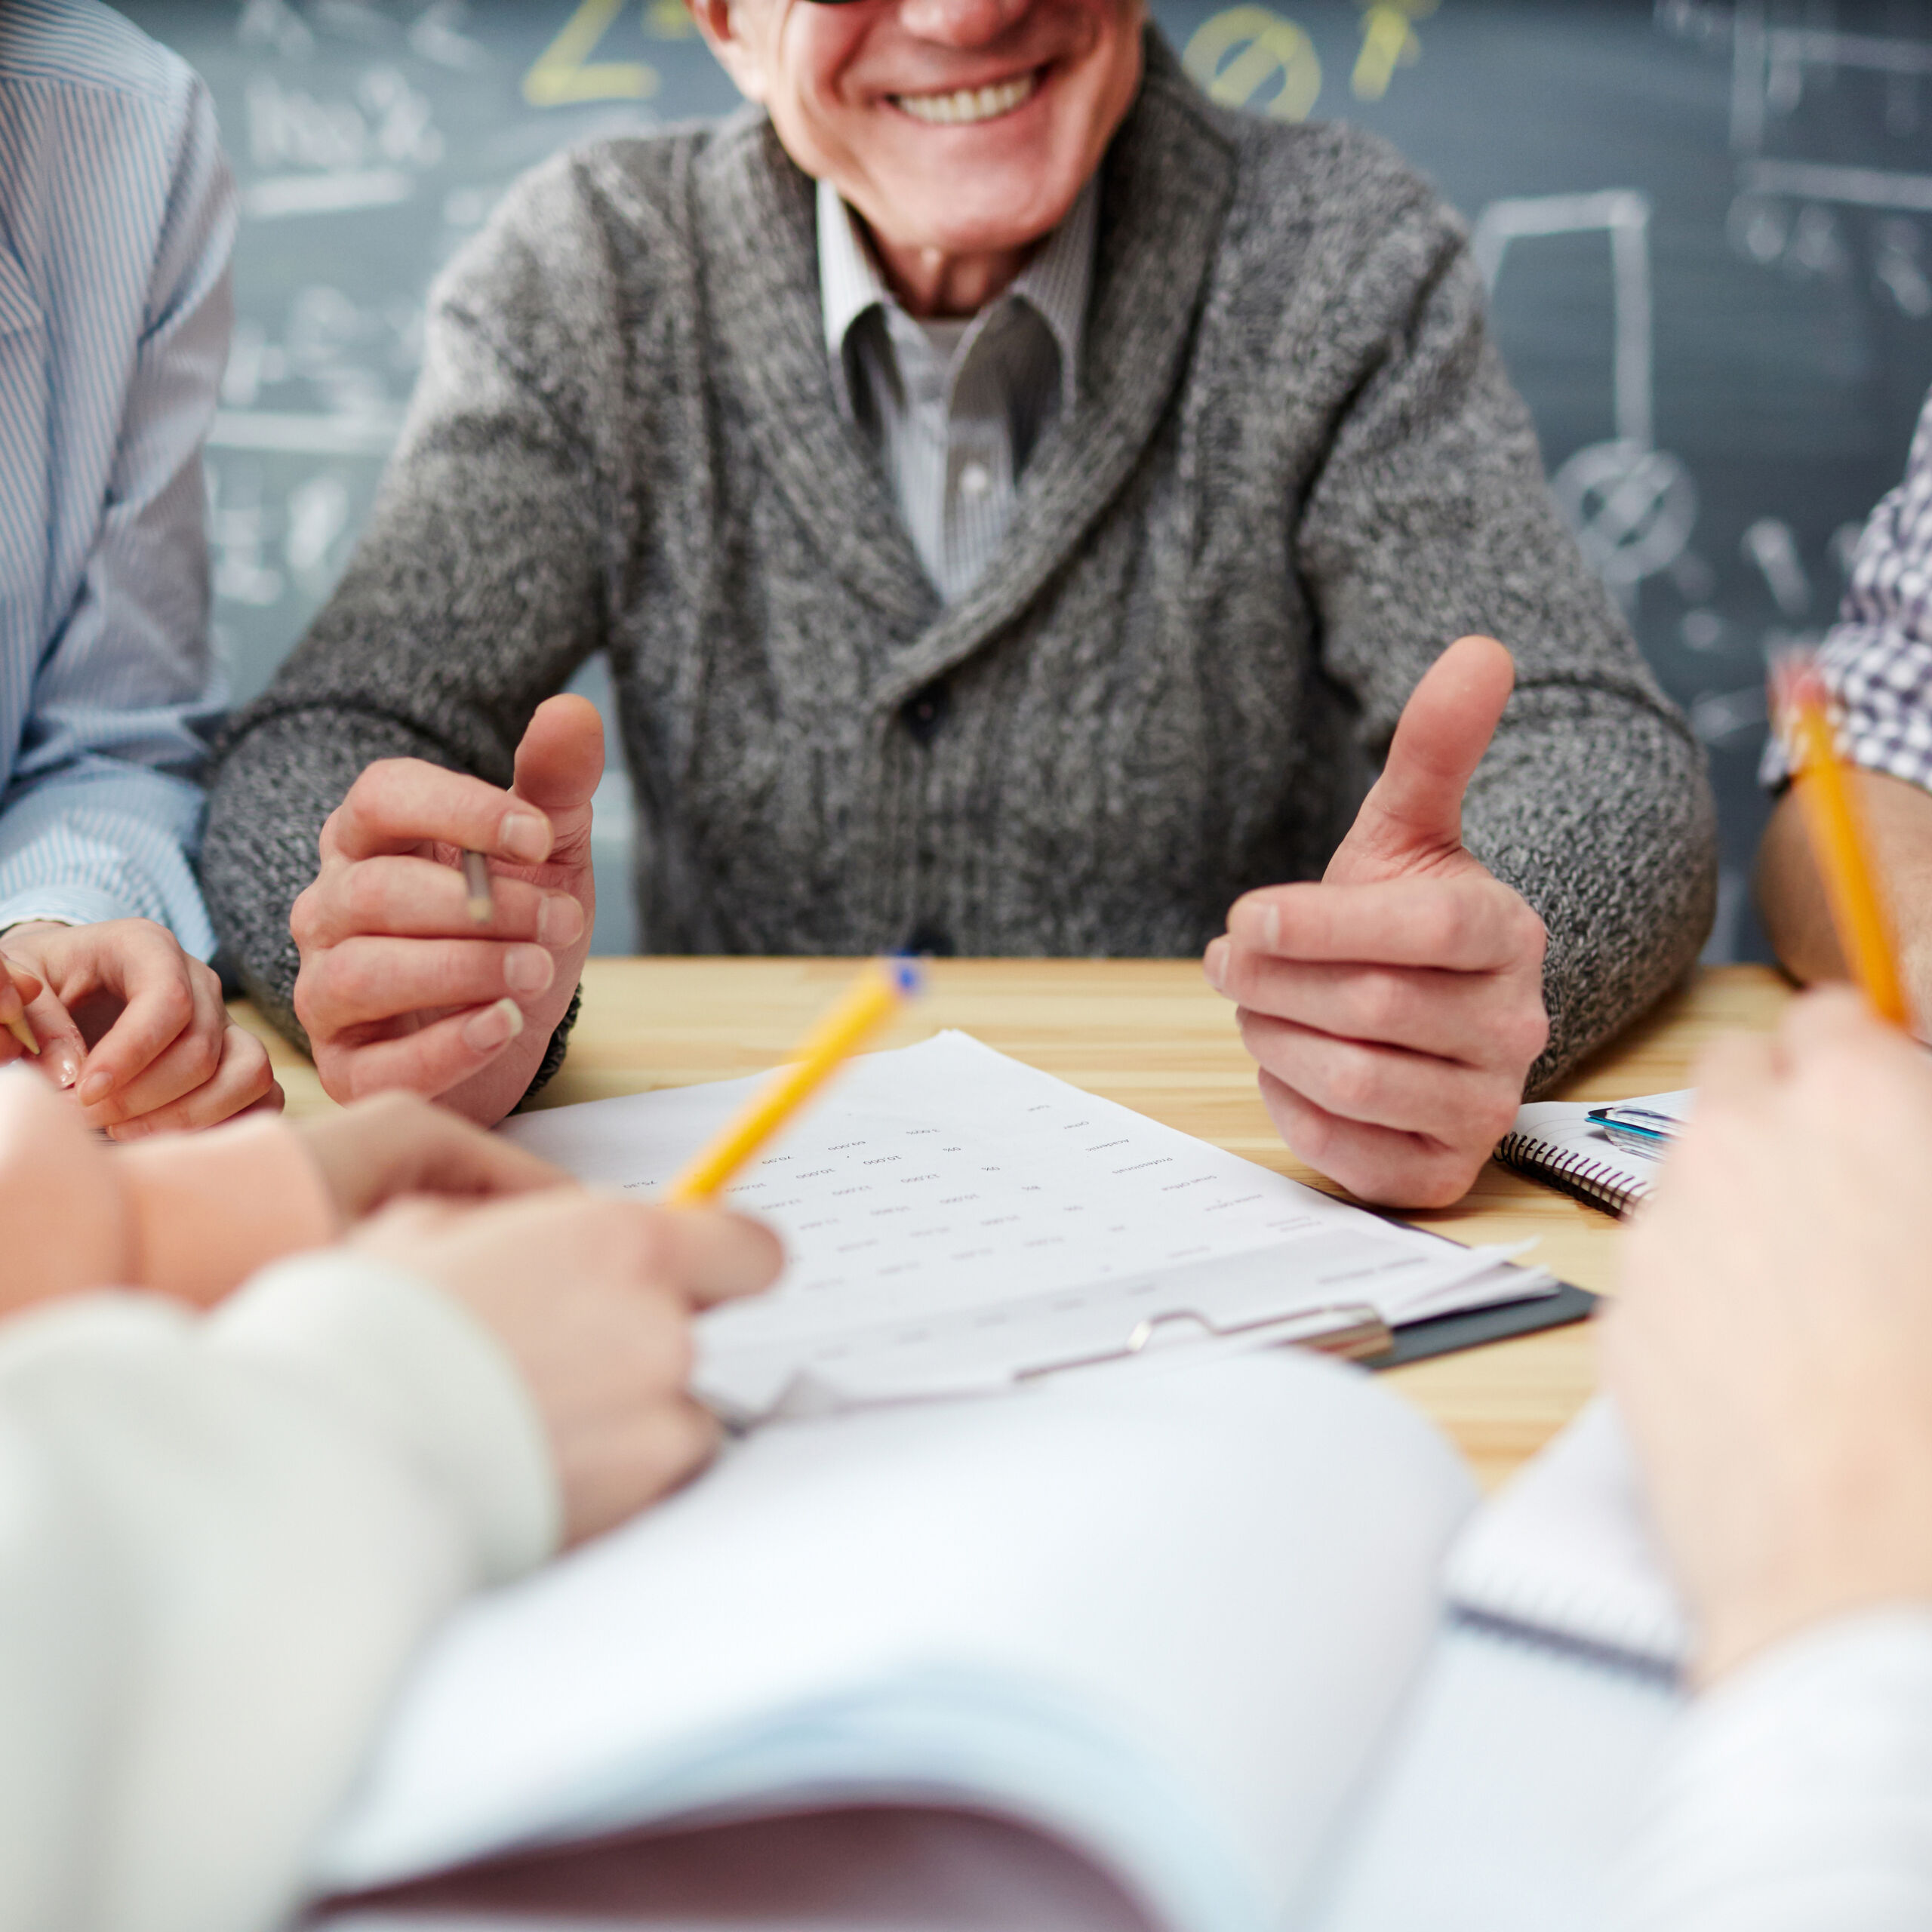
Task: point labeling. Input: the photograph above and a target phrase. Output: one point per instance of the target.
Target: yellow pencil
(1830, 805)
(872, 1000)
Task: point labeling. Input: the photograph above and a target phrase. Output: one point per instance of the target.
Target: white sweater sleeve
(220, 1541)
(1797, 1797)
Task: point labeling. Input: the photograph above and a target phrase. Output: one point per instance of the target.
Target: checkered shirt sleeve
(1877, 660)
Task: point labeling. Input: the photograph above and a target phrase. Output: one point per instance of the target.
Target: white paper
(1167, 1617)
(954, 1218)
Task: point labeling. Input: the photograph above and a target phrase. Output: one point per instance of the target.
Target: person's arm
(1432, 518)
(1770, 1349)
(192, 1216)
(1877, 663)
(1503, 902)
(224, 1537)
(223, 1545)
(100, 815)
(476, 590)
(1798, 1794)
(101, 809)
(1898, 822)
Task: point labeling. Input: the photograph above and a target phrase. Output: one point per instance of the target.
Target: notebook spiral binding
(1575, 1172)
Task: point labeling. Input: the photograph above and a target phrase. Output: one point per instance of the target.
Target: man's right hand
(592, 1298)
(398, 986)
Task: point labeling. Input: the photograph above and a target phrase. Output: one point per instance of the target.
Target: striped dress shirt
(953, 409)
(117, 217)
(1877, 660)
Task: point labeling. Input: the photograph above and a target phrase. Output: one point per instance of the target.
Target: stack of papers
(958, 1222)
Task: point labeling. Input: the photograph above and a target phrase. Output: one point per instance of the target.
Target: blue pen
(1637, 1130)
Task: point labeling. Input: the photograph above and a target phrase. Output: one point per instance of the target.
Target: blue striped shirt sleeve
(129, 290)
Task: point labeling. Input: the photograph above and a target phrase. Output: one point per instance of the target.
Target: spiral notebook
(1556, 1141)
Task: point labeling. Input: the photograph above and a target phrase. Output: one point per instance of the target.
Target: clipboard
(1357, 1334)
(1176, 1333)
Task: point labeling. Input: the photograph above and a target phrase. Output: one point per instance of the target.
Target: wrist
(25, 929)
(1888, 1567)
(208, 1209)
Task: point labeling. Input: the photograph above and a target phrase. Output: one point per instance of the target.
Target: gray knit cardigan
(1294, 471)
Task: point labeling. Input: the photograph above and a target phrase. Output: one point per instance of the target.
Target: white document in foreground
(1166, 1613)
(955, 1220)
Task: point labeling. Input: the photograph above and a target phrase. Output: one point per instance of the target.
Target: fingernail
(523, 839)
(1271, 927)
(96, 1087)
(559, 920)
(64, 1064)
(129, 1130)
(495, 1026)
(1215, 963)
(528, 969)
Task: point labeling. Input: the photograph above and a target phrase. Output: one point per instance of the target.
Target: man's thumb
(1414, 813)
(561, 759)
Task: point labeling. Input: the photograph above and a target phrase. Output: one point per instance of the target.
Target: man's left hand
(1396, 1008)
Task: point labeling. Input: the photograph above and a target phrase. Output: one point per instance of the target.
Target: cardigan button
(925, 711)
(934, 941)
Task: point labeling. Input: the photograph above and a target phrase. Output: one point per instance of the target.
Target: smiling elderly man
(1019, 500)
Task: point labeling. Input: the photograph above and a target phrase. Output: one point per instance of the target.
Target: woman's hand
(1771, 1346)
(164, 1056)
(593, 1299)
(397, 1144)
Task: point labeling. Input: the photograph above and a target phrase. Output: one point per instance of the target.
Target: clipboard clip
(1352, 1331)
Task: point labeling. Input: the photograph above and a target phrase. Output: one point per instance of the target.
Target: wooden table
(1151, 1035)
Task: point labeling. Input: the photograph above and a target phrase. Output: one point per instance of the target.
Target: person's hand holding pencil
(1827, 798)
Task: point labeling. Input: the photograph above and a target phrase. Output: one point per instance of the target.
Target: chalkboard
(1708, 229)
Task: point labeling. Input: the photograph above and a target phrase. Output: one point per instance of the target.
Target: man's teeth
(950, 110)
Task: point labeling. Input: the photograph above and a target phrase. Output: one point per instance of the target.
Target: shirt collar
(1055, 284)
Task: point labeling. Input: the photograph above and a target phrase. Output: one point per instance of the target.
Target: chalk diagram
(1799, 215)
(1632, 506)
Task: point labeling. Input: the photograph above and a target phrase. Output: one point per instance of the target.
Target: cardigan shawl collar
(1167, 180)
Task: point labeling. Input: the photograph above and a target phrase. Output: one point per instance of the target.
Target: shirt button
(975, 480)
(924, 712)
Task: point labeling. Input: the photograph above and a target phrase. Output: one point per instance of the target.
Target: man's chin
(999, 215)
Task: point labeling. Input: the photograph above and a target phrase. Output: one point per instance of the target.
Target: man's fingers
(1375, 1163)
(560, 761)
(1466, 925)
(415, 898)
(1414, 812)
(428, 1061)
(1476, 1019)
(398, 805)
(1381, 1086)
(711, 1255)
(242, 1081)
(371, 979)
